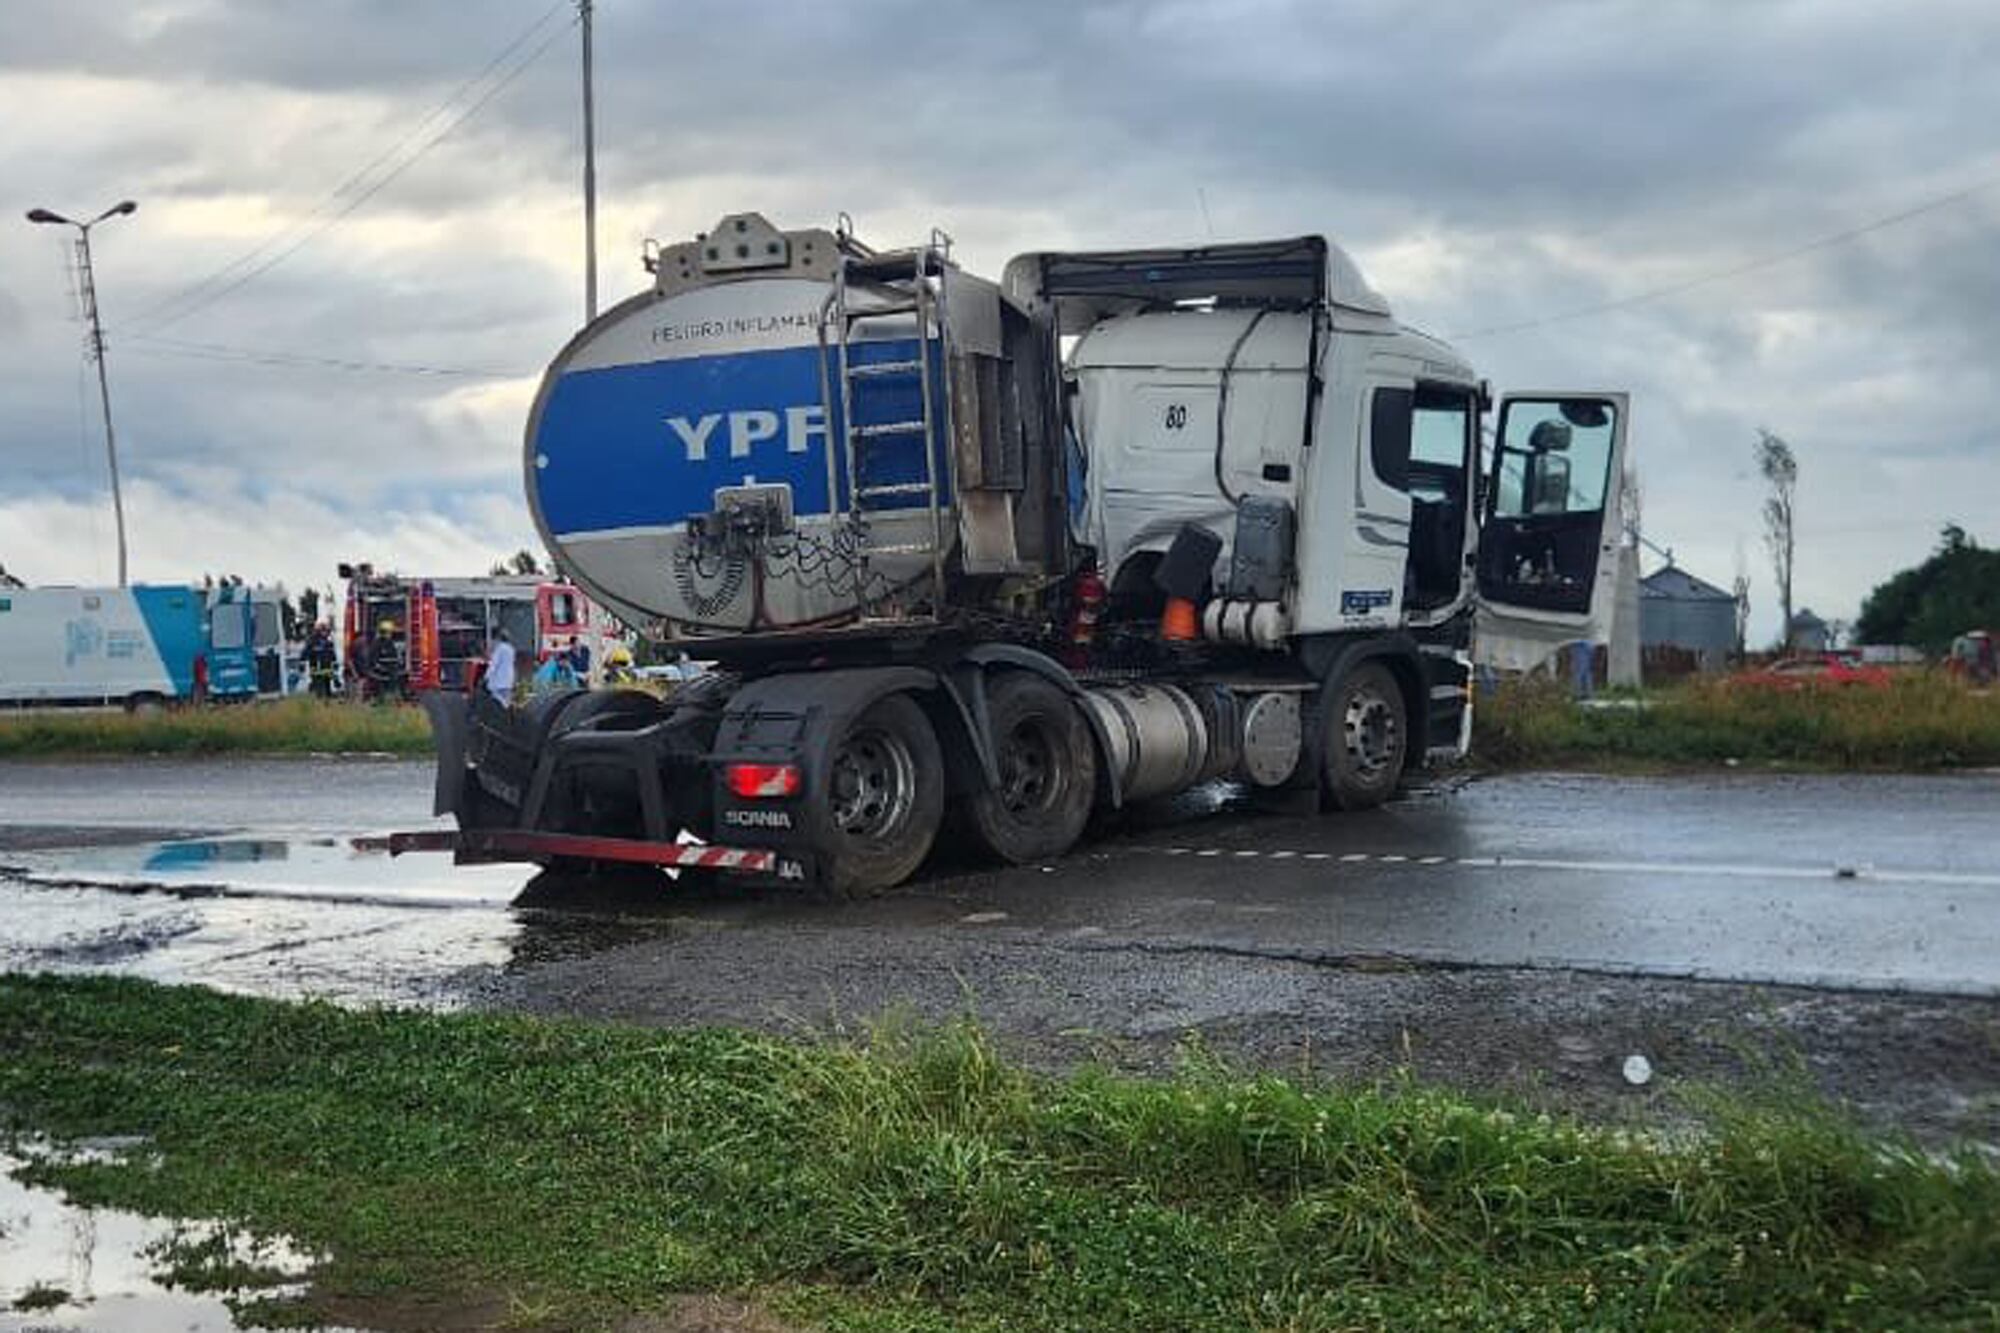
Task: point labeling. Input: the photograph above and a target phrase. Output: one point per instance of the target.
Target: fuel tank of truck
(687, 458)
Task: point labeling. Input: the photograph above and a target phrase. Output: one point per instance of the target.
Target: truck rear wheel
(1048, 773)
(876, 809)
(1367, 737)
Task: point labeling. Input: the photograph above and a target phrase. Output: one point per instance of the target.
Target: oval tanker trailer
(974, 559)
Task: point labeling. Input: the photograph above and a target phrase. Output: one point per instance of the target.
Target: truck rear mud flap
(528, 845)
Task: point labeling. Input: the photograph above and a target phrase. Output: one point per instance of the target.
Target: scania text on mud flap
(1120, 523)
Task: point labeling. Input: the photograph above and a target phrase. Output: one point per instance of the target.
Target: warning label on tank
(742, 326)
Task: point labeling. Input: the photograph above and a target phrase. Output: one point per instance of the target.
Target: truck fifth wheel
(972, 559)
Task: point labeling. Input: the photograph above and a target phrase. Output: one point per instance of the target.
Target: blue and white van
(137, 646)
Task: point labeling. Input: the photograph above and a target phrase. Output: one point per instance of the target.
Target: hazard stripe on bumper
(528, 845)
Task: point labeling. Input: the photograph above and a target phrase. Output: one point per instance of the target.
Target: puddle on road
(306, 917)
(68, 1267)
(282, 917)
(302, 868)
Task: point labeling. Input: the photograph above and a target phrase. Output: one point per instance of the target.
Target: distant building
(1681, 617)
(1809, 634)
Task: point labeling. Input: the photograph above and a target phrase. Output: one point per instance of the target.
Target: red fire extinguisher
(1087, 592)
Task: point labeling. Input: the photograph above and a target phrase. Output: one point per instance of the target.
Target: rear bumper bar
(529, 845)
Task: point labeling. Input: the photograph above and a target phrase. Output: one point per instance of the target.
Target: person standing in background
(499, 681)
(321, 659)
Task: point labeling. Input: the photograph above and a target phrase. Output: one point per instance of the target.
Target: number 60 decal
(1176, 416)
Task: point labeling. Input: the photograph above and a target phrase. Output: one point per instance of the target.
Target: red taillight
(754, 782)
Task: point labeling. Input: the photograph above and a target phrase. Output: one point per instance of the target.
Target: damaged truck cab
(975, 559)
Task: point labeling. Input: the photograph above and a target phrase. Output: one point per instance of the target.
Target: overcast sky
(1491, 166)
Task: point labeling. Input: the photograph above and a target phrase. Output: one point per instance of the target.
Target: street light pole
(87, 289)
(589, 174)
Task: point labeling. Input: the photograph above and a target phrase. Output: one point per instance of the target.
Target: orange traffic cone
(1179, 623)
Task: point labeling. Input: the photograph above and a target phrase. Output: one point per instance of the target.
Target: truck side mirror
(1550, 491)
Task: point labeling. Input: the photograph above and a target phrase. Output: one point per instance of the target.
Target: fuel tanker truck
(973, 560)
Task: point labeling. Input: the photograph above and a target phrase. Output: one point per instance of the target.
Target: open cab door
(1548, 546)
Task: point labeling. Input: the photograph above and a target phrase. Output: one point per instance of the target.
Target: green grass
(1923, 720)
(918, 1180)
(290, 726)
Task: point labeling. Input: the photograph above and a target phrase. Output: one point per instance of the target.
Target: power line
(155, 346)
(355, 178)
(1738, 270)
(192, 299)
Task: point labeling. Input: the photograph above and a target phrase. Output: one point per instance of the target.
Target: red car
(1815, 669)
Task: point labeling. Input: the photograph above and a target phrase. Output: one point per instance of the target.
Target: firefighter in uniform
(320, 661)
(385, 663)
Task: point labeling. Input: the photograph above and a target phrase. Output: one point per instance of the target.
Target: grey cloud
(1560, 153)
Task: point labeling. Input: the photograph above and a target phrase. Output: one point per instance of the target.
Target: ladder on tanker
(869, 287)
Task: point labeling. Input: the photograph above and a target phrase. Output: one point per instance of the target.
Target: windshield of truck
(1439, 431)
(226, 627)
(270, 629)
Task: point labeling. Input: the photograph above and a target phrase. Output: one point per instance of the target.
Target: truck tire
(1048, 773)
(875, 810)
(632, 708)
(1366, 737)
(599, 800)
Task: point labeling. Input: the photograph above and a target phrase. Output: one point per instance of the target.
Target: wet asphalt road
(1522, 932)
(1878, 881)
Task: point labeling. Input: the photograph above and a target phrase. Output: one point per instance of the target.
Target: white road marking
(1693, 869)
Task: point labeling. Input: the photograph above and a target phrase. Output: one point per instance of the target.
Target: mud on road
(1520, 935)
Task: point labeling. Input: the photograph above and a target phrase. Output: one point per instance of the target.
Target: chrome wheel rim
(1372, 733)
(874, 784)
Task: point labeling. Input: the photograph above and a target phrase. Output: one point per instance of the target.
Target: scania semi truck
(973, 559)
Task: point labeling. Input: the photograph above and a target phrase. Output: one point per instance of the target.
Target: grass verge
(919, 1181)
(1922, 721)
(289, 726)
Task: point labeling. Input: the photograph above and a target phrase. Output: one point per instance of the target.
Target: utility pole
(589, 172)
(87, 290)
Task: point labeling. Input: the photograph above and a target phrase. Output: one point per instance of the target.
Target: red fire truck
(405, 636)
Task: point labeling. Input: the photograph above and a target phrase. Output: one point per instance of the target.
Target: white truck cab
(1368, 431)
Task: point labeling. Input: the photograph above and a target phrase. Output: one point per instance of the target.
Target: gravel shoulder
(1554, 1039)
